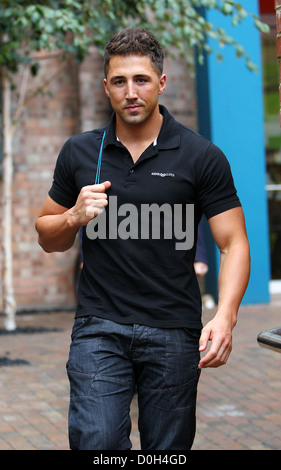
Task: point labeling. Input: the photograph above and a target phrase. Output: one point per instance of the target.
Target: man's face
(133, 86)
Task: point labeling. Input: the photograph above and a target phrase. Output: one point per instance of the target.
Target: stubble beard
(137, 117)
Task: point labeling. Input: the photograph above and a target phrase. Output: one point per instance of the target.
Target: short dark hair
(137, 41)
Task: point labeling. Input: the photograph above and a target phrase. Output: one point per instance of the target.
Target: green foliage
(73, 26)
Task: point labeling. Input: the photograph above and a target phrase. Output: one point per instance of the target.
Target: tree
(69, 28)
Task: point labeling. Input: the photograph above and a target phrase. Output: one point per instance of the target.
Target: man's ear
(105, 87)
(162, 83)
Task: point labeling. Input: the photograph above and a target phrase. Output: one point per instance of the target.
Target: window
(272, 141)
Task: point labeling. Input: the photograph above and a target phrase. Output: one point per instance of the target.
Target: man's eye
(119, 82)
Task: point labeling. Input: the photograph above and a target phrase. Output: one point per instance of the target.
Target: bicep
(228, 228)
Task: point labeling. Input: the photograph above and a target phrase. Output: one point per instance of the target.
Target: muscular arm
(229, 232)
(57, 226)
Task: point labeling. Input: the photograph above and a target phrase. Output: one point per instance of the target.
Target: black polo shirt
(138, 255)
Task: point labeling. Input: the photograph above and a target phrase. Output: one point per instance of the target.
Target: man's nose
(131, 92)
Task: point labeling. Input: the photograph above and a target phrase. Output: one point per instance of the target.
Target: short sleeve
(63, 189)
(216, 189)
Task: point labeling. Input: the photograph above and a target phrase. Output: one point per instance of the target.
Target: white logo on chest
(162, 175)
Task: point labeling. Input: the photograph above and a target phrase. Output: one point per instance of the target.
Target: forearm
(230, 235)
(233, 279)
(57, 226)
(56, 232)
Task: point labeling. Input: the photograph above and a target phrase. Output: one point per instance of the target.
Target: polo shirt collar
(168, 138)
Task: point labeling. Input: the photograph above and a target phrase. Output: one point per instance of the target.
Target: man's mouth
(133, 107)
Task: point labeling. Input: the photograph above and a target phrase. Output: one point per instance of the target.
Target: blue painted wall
(230, 105)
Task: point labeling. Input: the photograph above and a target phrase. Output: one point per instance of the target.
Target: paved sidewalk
(239, 405)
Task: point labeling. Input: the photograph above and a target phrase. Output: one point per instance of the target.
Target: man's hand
(57, 225)
(90, 203)
(219, 332)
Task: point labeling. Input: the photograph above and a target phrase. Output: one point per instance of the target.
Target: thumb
(106, 184)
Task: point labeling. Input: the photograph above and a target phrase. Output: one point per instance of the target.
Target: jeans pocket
(80, 384)
(181, 369)
(79, 323)
(83, 360)
(184, 396)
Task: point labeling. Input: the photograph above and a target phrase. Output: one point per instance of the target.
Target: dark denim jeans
(108, 362)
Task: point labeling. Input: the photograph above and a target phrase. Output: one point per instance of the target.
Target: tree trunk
(9, 303)
(8, 129)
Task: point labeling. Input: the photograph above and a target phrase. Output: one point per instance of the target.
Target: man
(138, 319)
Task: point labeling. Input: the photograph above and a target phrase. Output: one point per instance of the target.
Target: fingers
(100, 187)
(91, 201)
(96, 190)
(221, 346)
(98, 199)
(203, 342)
(216, 356)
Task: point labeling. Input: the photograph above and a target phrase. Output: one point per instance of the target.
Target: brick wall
(39, 279)
(278, 43)
(77, 103)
